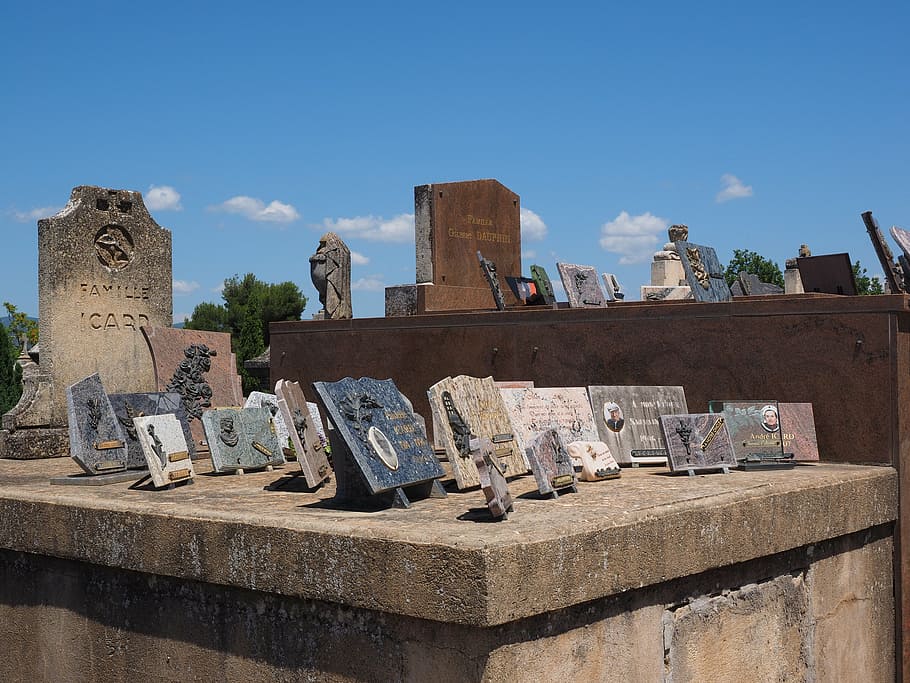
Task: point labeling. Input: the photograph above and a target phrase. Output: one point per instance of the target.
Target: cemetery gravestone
(97, 441)
(704, 273)
(128, 406)
(241, 439)
(697, 442)
(894, 277)
(595, 460)
(751, 285)
(378, 447)
(581, 285)
(330, 271)
(627, 420)
(308, 447)
(829, 274)
(261, 399)
(164, 445)
(492, 478)
(754, 427)
(544, 286)
(798, 431)
(565, 409)
(551, 464)
(902, 237)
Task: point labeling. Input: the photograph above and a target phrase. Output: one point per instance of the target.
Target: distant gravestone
(612, 288)
(261, 399)
(697, 442)
(751, 285)
(309, 449)
(242, 439)
(661, 293)
(129, 406)
(330, 271)
(544, 286)
(550, 462)
(104, 270)
(97, 441)
(581, 285)
(754, 427)
(829, 274)
(704, 273)
(453, 221)
(162, 440)
(535, 410)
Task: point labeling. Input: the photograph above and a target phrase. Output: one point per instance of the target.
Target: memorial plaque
(612, 288)
(627, 420)
(308, 447)
(754, 427)
(798, 431)
(581, 285)
(704, 273)
(544, 286)
(751, 285)
(829, 274)
(241, 439)
(535, 410)
(492, 478)
(490, 275)
(594, 459)
(377, 444)
(97, 441)
(514, 384)
(162, 440)
(551, 464)
(128, 406)
(697, 442)
(200, 367)
(453, 221)
(481, 406)
(261, 399)
(661, 293)
(525, 289)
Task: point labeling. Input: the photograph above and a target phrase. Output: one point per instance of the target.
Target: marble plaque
(491, 478)
(482, 408)
(308, 447)
(241, 439)
(754, 427)
(551, 464)
(97, 440)
(128, 406)
(594, 459)
(798, 431)
(259, 399)
(200, 367)
(535, 410)
(164, 445)
(612, 288)
(704, 273)
(697, 441)
(544, 286)
(581, 285)
(376, 433)
(627, 420)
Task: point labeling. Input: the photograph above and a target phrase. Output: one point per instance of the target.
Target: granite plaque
(551, 464)
(128, 406)
(704, 273)
(97, 441)
(594, 459)
(261, 399)
(377, 444)
(754, 427)
(308, 448)
(480, 406)
(581, 285)
(535, 410)
(492, 478)
(697, 442)
(798, 431)
(627, 420)
(241, 439)
(544, 286)
(161, 438)
(830, 274)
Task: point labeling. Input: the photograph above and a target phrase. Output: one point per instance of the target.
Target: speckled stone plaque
(754, 427)
(97, 440)
(377, 444)
(594, 459)
(164, 445)
(704, 273)
(241, 439)
(627, 420)
(798, 431)
(535, 410)
(308, 447)
(128, 406)
(697, 442)
(492, 478)
(261, 399)
(581, 285)
(551, 464)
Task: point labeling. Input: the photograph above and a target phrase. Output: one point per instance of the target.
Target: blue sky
(252, 128)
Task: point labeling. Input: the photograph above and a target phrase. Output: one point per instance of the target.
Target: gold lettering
(460, 234)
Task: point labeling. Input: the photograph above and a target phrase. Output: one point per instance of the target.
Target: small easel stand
(178, 478)
(723, 468)
(648, 453)
(85, 479)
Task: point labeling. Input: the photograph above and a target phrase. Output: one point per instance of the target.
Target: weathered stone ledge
(440, 560)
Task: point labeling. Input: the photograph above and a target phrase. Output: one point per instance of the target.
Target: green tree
(10, 372)
(864, 283)
(756, 264)
(20, 324)
(249, 306)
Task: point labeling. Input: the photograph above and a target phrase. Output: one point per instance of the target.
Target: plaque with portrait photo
(755, 428)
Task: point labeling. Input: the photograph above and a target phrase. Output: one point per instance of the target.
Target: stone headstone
(97, 441)
(200, 367)
(453, 221)
(704, 273)
(481, 407)
(754, 427)
(535, 410)
(550, 462)
(490, 274)
(162, 441)
(262, 399)
(627, 420)
(595, 459)
(581, 285)
(309, 449)
(798, 431)
(544, 286)
(830, 274)
(697, 442)
(612, 288)
(751, 285)
(128, 406)
(104, 270)
(330, 270)
(492, 479)
(241, 439)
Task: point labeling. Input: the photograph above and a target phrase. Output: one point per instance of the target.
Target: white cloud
(185, 286)
(532, 225)
(375, 228)
(180, 318)
(634, 238)
(528, 253)
(35, 214)
(219, 288)
(359, 259)
(257, 210)
(733, 188)
(369, 284)
(163, 198)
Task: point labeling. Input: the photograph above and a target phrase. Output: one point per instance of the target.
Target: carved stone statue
(676, 233)
(330, 270)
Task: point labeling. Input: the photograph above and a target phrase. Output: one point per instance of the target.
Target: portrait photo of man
(613, 417)
(769, 418)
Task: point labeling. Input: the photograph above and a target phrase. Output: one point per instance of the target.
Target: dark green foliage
(756, 264)
(20, 324)
(864, 283)
(249, 306)
(10, 372)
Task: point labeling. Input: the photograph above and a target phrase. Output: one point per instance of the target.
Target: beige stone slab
(165, 449)
(309, 448)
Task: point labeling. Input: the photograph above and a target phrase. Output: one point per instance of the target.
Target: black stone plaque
(97, 440)
(128, 406)
(830, 274)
